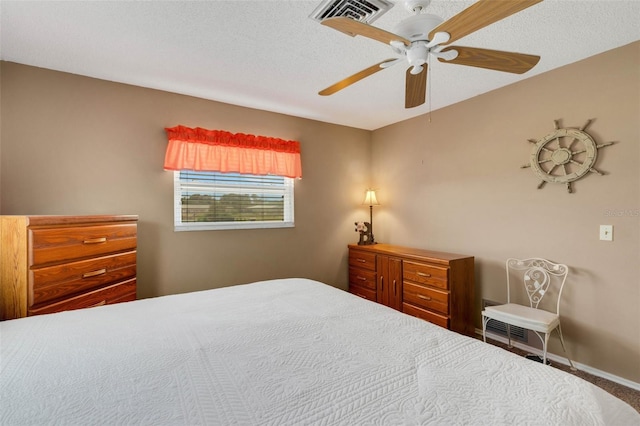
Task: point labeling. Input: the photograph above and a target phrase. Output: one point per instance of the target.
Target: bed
(279, 352)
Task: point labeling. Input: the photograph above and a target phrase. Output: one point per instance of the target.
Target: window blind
(214, 200)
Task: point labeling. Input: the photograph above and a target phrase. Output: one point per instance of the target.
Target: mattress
(281, 352)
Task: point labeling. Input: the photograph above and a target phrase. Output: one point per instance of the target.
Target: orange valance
(221, 151)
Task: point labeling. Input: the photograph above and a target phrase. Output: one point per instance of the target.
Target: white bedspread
(276, 353)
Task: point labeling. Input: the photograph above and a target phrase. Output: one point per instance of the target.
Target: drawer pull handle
(94, 273)
(361, 278)
(422, 274)
(422, 296)
(361, 260)
(95, 240)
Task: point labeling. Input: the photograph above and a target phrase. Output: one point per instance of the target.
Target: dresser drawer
(61, 244)
(426, 274)
(365, 293)
(362, 278)
(362, 259)
(63, 280)
(424, 314)
(435, 286)
(121, 292)
(424, 297)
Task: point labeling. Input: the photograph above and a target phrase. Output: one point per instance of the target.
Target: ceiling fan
(421, 35)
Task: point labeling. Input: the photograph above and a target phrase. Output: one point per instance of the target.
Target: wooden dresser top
(47, 220)
(418, 254)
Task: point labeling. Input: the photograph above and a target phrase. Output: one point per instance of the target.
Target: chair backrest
(539, 277)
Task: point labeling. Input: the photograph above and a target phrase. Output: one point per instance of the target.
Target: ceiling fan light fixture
(417, 54)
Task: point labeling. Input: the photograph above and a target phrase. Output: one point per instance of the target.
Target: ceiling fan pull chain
(430, 77)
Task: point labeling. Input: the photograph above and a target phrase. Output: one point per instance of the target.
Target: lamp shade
(370, 198)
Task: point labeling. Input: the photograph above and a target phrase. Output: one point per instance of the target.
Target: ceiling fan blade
(353, 28)
(355, 78)
(416, 87)
(479, 15)
(517, 63)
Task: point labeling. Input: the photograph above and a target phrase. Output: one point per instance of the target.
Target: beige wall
(455, 184)
(76, 145)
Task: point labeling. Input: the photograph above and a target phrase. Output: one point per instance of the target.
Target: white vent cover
(365, 11)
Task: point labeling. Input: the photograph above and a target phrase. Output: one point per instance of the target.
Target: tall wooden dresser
(435, 286)
(58, 263)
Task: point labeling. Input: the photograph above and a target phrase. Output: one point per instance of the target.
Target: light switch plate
(606, 232)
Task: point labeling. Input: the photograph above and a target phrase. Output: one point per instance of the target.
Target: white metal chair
(540, 278)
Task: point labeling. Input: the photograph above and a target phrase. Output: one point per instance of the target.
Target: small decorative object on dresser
(366, 233)
(435, 286)
(59, 263)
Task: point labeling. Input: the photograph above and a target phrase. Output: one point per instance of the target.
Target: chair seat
(523, 316)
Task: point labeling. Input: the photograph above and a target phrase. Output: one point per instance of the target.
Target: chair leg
(573, 367)
(484, 328)
(544, 348)
(509, 336)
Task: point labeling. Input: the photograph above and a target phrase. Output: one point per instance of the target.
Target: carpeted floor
(628, 395)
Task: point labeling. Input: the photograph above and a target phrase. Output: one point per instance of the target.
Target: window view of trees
(231, 207)
(213, 200)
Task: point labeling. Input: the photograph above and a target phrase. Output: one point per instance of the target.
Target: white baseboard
(563, 360)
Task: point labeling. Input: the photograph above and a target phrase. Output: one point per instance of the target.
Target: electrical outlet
(606, 232)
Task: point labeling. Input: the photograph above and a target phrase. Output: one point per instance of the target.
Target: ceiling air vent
(365, 11)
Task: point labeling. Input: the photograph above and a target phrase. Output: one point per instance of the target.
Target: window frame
(179, 188)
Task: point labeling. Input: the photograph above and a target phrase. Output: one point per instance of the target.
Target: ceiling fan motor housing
(417, 27)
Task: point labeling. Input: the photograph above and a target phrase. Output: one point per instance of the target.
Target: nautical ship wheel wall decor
(564, 155)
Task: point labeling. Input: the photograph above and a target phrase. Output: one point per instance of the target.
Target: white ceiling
(270, 55)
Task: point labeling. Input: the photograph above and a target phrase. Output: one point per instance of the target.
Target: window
(226, 180)
(214, 200)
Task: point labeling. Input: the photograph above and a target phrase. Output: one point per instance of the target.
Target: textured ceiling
(270, 55)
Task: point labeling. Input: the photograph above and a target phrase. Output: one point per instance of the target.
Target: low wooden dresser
(59, 263)
(435, 286)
